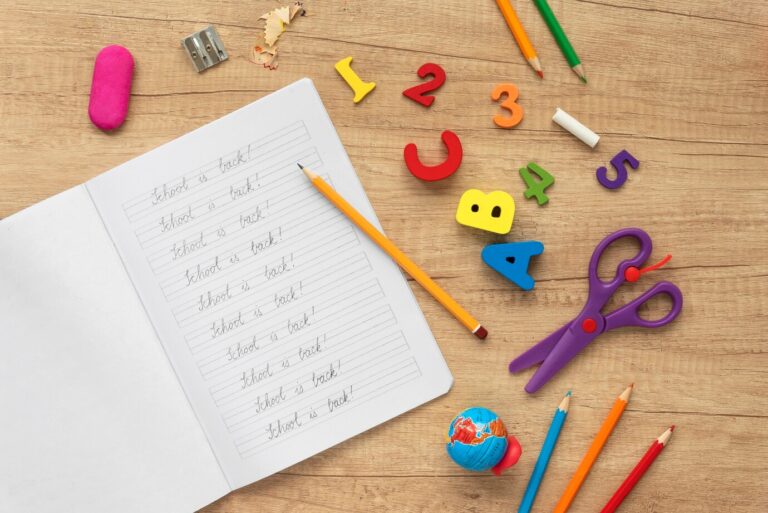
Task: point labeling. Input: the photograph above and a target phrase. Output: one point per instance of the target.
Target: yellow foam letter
(492, 212)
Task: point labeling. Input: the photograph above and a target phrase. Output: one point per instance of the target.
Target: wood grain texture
(682, 86)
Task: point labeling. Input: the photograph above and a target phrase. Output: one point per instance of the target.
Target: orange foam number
(416, 93)
(509, 104)
(440, 171)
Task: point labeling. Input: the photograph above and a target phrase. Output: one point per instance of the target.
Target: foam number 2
(509, 104)
(440, 171)
(416, 93)
(618, 162)
(536, 187)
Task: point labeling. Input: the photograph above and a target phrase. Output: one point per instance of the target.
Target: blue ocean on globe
(477, 439)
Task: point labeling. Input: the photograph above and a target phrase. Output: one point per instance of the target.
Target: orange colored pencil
(594, 451)
(397, 255)
(525, 45)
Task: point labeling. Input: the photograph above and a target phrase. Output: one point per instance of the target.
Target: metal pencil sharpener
(205, 48)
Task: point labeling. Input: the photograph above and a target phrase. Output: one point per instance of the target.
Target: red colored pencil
(645, 462)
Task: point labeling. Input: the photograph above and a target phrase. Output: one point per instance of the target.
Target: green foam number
(536, 187)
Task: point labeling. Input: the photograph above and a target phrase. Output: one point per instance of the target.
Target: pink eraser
(111, 87)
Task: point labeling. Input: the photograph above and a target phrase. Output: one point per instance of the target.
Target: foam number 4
(416, 93)
(360, 88)
(618, 162)
(515, 110)
(536, 187)
(440, 171)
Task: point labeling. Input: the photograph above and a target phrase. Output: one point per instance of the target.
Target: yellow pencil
(594, 451)
(398, 256)
(525, 45)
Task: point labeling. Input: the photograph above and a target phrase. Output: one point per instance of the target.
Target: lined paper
(289, 330)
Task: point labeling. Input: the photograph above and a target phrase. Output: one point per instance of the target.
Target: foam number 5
(618, 162)
(440, 171)
(509, 104)
(416, 93)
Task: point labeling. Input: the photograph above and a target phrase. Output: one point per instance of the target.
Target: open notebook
(197, 319)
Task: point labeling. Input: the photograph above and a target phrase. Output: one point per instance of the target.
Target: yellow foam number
(360, 88)
(492, 212)
(515, 110)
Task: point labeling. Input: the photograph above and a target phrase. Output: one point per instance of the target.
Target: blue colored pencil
(546, 453)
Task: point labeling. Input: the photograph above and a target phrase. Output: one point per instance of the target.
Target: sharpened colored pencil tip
(540, 74)
(583, 79)
(672, 427)
(568, 394)
(300, 166)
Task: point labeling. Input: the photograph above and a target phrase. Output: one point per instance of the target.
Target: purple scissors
(561, 346)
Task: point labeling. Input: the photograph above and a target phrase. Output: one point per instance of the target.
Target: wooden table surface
(681, 85)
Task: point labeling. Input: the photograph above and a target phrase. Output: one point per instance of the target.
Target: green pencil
(562, 40)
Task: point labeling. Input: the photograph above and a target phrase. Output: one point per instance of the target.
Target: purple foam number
(618, 162)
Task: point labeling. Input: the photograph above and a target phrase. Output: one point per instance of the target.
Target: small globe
(477, 439)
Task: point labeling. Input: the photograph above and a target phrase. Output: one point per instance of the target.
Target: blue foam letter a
(512, 259)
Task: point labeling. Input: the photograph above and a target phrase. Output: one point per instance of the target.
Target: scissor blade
(569, 346)
(537, 353)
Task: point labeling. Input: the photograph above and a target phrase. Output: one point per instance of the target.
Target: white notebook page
(94, 419)
(288, 328)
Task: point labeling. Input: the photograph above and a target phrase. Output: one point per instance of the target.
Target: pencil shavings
(275, 24)
(263, 54)
(264, 50)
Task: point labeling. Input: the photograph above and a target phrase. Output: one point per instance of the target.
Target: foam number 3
(416, 93)
(509, 104)
(618, 162)
(440, 171)
(536, 187)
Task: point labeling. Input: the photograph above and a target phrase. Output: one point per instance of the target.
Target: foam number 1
(536, 187)
(618, 162)
(416, 93)
(509, 104)
(360, 88)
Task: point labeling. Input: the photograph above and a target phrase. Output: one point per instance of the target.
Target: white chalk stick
(572, 124)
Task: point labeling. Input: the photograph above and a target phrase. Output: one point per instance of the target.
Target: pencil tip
(568, 394)
(583, 79)
(625, 395)
(300, 166)
(540, 74)
(672, 427)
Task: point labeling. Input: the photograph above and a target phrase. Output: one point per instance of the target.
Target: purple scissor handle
(560, 347)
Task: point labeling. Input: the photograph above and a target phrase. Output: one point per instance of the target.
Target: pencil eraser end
(111, 87)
